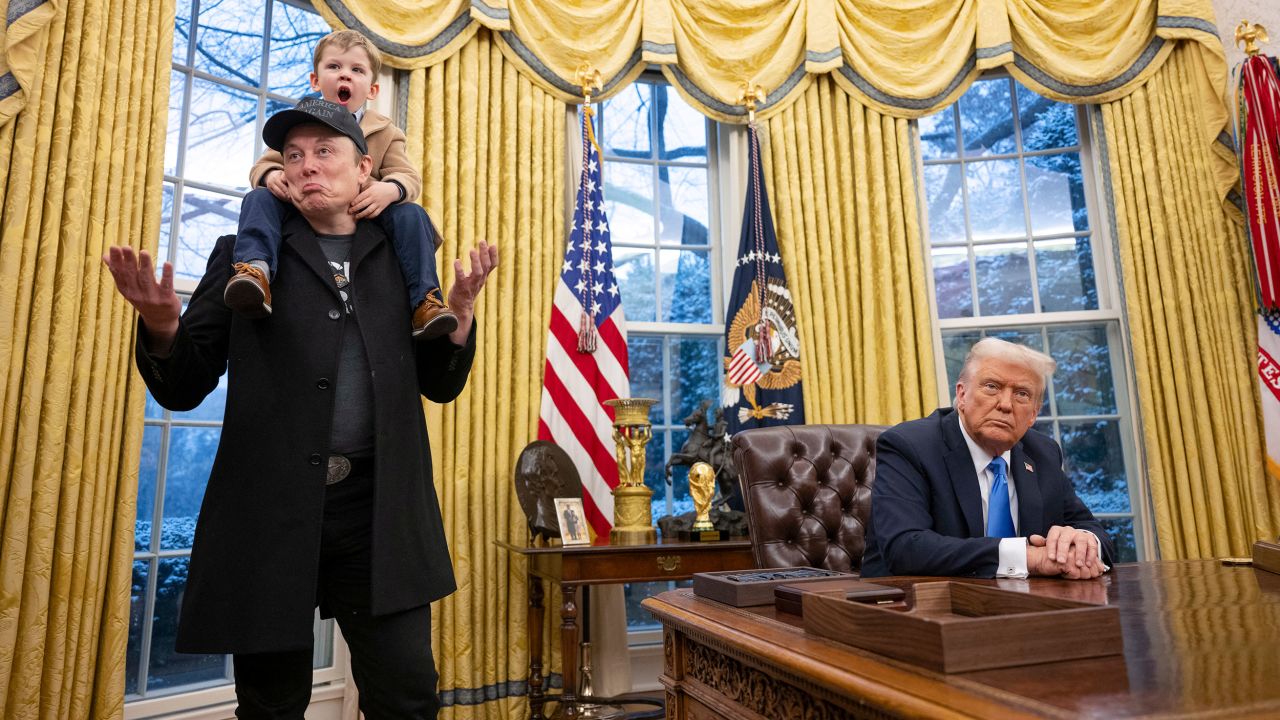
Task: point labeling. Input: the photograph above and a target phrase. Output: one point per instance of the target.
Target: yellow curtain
(491, 146)
(24, 29)
(81, 171)
(1189, 302)
(841, 177)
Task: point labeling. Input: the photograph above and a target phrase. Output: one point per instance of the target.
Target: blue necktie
(999, 518)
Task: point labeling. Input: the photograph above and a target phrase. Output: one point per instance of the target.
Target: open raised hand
(156, 302)
(467, 285)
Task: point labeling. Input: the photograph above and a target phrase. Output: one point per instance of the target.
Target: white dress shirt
(1013, 551)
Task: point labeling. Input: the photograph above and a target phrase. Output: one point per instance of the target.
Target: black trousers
(391, 656)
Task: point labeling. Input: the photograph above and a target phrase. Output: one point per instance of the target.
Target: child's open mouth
(344, 94)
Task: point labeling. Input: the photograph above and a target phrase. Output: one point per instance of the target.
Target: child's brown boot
(433, 318)
(248, 292)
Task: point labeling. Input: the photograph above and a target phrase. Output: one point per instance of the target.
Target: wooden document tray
(958, 627)
(742, 588)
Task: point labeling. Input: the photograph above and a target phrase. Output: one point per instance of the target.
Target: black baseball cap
(313, 110)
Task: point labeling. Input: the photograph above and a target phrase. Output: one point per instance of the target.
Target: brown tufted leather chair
(807, 491)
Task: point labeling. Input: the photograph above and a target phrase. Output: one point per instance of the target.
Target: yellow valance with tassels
(905, 59)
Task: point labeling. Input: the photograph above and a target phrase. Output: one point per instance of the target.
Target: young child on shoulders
(345, 72)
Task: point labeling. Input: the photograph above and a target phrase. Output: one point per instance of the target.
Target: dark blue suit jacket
(926, 508)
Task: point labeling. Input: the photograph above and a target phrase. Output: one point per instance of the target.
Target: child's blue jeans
(410, 228)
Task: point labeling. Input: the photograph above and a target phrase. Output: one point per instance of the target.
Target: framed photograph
(573, 522)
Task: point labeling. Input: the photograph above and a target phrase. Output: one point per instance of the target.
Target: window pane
(681, 129)
(955, 346)
(211, 408)
(946, 203)
(181, 33)
(686, 286)
(1055, 194)
(986, 118)
(1045, 427)
(153, 410)
(229, 39)
(1064, 270)
(164, 249)
(626, 123)
(644, 358)
(1082, 381)
(951, 282)
(682, 195)
(148, 469)
(1004, 279)
(1022, 336)
(1095, 461)
(995, 199)
(1122, 538)
(658, 505)
(191, 452)
(634, 593)
(682, 501)
(634, 271)
(137, 611)
(294, 34)
(695, 375)
(628, 201)
(655, 458)
(938, 135)
(168, 667)
(220, 138)
(206, 216)
(173, 135)
(1046, 124)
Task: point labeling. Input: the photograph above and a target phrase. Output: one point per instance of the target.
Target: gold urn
(632, 501)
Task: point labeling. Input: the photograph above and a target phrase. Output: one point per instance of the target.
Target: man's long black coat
(252, 580)
(926, 508)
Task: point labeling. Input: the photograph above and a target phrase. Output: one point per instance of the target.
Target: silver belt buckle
(339, 469)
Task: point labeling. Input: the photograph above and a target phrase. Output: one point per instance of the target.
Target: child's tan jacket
(386, 147)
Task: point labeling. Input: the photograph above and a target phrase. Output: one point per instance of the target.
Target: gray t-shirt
(353, 426)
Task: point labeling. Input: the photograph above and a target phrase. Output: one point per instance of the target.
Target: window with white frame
(659, 177)
(1017, 252)
(235, 62)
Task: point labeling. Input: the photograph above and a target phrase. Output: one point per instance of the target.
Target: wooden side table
(602, 564)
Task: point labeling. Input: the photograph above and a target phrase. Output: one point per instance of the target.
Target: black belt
(341, 467)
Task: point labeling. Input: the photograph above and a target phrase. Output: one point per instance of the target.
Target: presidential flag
(587, 346)
(1258, 143)
(762, 348)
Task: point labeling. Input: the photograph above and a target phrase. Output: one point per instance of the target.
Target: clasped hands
(1064, 552)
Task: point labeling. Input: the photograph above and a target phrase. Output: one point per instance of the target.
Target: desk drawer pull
(669, 563)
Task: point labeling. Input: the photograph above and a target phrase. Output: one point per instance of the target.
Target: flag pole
(588, 80)
(749, 95)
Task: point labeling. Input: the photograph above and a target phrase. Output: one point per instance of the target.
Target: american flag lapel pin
(1027, 465)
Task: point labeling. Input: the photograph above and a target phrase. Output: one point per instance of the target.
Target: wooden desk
(600, 564)
(1200, 640)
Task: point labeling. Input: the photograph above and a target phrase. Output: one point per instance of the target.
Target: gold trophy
(632, 501)
(702, 486)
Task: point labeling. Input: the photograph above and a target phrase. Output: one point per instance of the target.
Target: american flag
(587, 346)
(1258, 143)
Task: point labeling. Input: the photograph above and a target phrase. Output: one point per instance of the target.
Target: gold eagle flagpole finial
(589, 80)
(750, 96)
(1251, 34)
